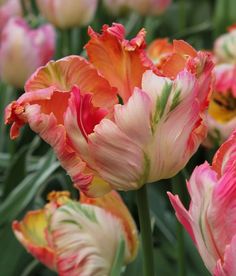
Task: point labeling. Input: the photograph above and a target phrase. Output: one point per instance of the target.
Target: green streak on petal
(176, 100)
(161, 105)
(85, 210)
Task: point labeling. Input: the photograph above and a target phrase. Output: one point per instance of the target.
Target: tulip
(10, 8)
(116, 7)
(70, 14)
(210, 220)
(150, 7)
(79, 238)
(221, 115)
(158, 125)
(225, 47)
(23, 50)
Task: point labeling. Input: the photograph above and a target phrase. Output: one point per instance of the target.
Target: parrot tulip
(117, 122)
(210, 220)
(68, 236)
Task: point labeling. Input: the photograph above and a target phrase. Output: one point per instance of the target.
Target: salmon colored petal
(31, 232)
(183, 48)
(120, 61)
(159, 50)
(173, 65)
(81, 235)
(113, 203)
(69, 71)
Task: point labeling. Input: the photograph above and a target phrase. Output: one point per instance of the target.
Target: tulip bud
(68, 14)
(23, 50)
(9, 9)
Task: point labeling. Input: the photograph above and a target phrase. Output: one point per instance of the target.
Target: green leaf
(16, 170)
(26, 190)
(119, 259)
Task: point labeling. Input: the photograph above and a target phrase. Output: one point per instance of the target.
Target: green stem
(177, 189)
(182, 14)
(146, 233)
(66, 42)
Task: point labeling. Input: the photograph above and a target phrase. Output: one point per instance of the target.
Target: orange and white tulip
(150, 135)
(23, 50)
(68, 14)
(68, 236)
(210, 220)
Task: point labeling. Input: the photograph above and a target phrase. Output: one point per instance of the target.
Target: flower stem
(146, 233)
(182, 14)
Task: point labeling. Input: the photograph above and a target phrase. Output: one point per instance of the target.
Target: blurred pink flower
(68, 14)
(8, 9)
(23, 50)
(221, 117)
(210, 220)
(103, 145)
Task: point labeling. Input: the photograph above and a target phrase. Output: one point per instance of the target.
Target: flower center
(222, 107)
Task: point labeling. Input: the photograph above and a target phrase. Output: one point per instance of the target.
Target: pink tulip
(68, 14)
(210, 220)
(23, 50)
(10, 8)
(79, 238)
(221, 116)
(103, 145)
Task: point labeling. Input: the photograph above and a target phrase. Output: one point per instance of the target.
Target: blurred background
(28, 167)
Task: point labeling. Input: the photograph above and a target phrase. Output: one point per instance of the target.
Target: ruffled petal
(70, 71)
(128, 58)
(31, 232)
